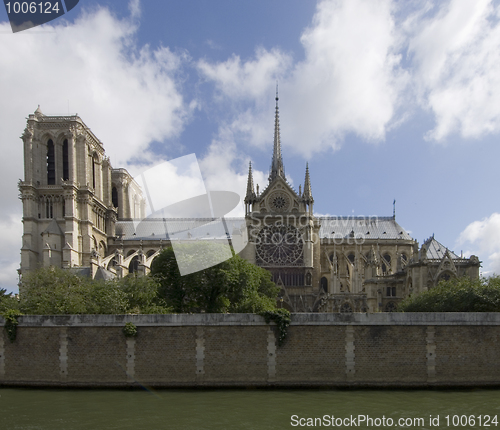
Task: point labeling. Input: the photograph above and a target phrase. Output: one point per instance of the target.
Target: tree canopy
(54, 291)
(235, 285)
(457, 295)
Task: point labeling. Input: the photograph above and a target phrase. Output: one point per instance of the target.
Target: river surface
(246, 409)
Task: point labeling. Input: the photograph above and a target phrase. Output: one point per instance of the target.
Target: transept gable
(280, 197)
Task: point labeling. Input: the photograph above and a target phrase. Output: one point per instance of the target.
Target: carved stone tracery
(280, 245)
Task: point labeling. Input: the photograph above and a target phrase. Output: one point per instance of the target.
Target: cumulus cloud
(10, 251)
(483, 238)
(225, 168)
(129, 95)
(253, 78)
(353, 78)
(349, 82)
(456, 58)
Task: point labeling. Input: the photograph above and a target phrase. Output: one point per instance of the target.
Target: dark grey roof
(366, 227)
(436, 250)
(213, 228)
(180, 228)
(104, 274)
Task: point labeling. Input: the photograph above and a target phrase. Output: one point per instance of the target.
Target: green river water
(245, 409)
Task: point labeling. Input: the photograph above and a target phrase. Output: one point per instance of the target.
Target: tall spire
(250, 197)
(307, 196)
(277, 168)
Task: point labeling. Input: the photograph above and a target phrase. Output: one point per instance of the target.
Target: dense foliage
(282, 319)
(235, 285)
(53, 291)
(232, 286)
(457, 295)
(7, 301)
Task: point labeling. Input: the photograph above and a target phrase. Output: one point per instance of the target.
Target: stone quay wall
(240, 350)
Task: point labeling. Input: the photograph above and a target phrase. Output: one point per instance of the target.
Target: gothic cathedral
(78, 214)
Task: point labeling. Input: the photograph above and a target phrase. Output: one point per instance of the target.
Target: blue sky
(385, 100)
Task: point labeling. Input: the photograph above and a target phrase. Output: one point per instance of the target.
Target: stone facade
(78, 212)
(240, 350)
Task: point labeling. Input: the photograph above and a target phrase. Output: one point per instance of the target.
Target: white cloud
(483, 239)
(349, 82)
(249, 79)
(128, 94)
(224, 168)
(456, 55)
(10, 251)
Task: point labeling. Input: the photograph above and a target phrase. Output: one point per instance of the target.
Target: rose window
(279, 201)
(280, 245)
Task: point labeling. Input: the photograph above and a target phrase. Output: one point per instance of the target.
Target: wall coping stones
(396, 318)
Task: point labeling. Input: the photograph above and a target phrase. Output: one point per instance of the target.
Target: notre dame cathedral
(79, 212)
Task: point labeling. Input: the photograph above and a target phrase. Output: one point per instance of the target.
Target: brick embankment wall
(240, 350)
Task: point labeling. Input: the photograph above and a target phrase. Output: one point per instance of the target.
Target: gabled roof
(179, 228)
(196, 228)
(366, 227)
(436, 250)
(53, 228)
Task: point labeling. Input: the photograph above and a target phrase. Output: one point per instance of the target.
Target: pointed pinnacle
(250, 190)
(307, 186)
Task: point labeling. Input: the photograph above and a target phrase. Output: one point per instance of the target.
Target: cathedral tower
(70, 200)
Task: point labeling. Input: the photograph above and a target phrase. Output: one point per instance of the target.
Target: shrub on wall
(282, 319)
(130, 330)
(11, 316)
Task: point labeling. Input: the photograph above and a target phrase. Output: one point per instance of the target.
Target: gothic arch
(324, 284)
(134, 265)
(102, 248)
(445, 275)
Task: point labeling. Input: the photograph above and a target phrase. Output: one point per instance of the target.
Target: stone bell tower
(68, 214)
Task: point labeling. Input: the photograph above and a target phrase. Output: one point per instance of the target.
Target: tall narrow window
(51, 164)
(114, 196)
(49, 208)
(65, 160)
(94, 161)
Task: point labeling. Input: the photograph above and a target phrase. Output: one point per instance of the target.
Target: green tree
(457, 295)
(142, 295)
(235, 285)
(54, 291)
(7, 301)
